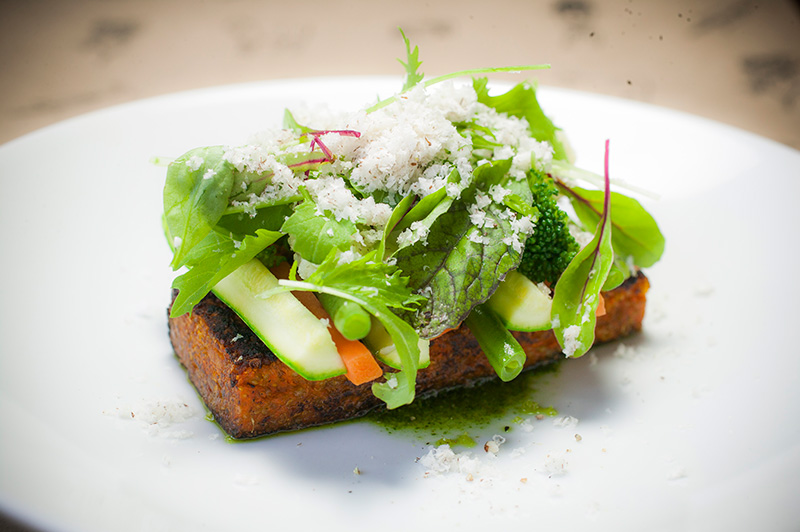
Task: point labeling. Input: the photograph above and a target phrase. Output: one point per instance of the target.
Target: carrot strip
(361, 365)
(601, 307)
(358, 360)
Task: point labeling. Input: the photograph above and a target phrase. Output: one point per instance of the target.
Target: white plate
(692, 426)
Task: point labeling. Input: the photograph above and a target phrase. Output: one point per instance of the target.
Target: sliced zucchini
(521, 305)
(297, 337)
(380, 343)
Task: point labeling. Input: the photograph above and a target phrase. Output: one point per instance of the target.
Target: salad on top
(440, 205)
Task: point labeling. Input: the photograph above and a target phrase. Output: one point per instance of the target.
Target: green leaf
(520, 205)
(482, 137)
(400, 387)
(428, 208)
(617, 275)
(460, 265)
(397, 215)
(577, 293)
(314, 235)
(212, 260)
(636, 233)
(521, 102)
(196, 193)
(501, 348)
(422, 216)
(269, 218)
(429, 211)
(412, 65)
(289, 122)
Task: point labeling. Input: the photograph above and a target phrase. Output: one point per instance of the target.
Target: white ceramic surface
(691, 425)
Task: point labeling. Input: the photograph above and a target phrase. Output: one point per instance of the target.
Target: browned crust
(251, 393)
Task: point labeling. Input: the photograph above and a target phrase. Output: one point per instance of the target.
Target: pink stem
(316, 141)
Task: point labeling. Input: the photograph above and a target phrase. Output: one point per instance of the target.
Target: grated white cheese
(477, 216)
(571, 342)
(581, 237)
(158, 417)
(493, 446)
(194, 163)
(588, 310)
(416, 232)
(555, 463)
(625, 352)
(443, 459)
(543, 288)
(410, 146)
(305, 269)
(567, 422)
(331, 194)
(498, 193)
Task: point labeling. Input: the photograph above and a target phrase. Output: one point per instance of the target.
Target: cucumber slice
(380, 343)
(521, 305)
(297, 337)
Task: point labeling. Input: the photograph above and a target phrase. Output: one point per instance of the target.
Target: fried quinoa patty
(251, 393)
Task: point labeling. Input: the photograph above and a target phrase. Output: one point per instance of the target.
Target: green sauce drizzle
(450, 416)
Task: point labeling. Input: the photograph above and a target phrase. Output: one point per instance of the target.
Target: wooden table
(734, 61)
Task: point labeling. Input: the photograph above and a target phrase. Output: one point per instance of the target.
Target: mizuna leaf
(214, 259)
(412, 65)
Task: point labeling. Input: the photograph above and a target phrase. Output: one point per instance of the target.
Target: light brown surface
(735, 61)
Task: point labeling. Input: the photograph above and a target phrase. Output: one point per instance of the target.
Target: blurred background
(733, 61)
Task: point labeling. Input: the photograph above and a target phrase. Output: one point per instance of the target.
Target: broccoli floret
(551, 247)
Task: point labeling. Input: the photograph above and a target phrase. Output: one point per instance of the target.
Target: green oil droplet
(462, 440)
(533, 408)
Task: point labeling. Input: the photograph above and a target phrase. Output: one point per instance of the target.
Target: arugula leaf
(196, 193)
(636, 233)
(212, 260)
(577, 292)
(313, 236)
(412, 76)
(521, 102)
(377, 287)
(460, 265)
